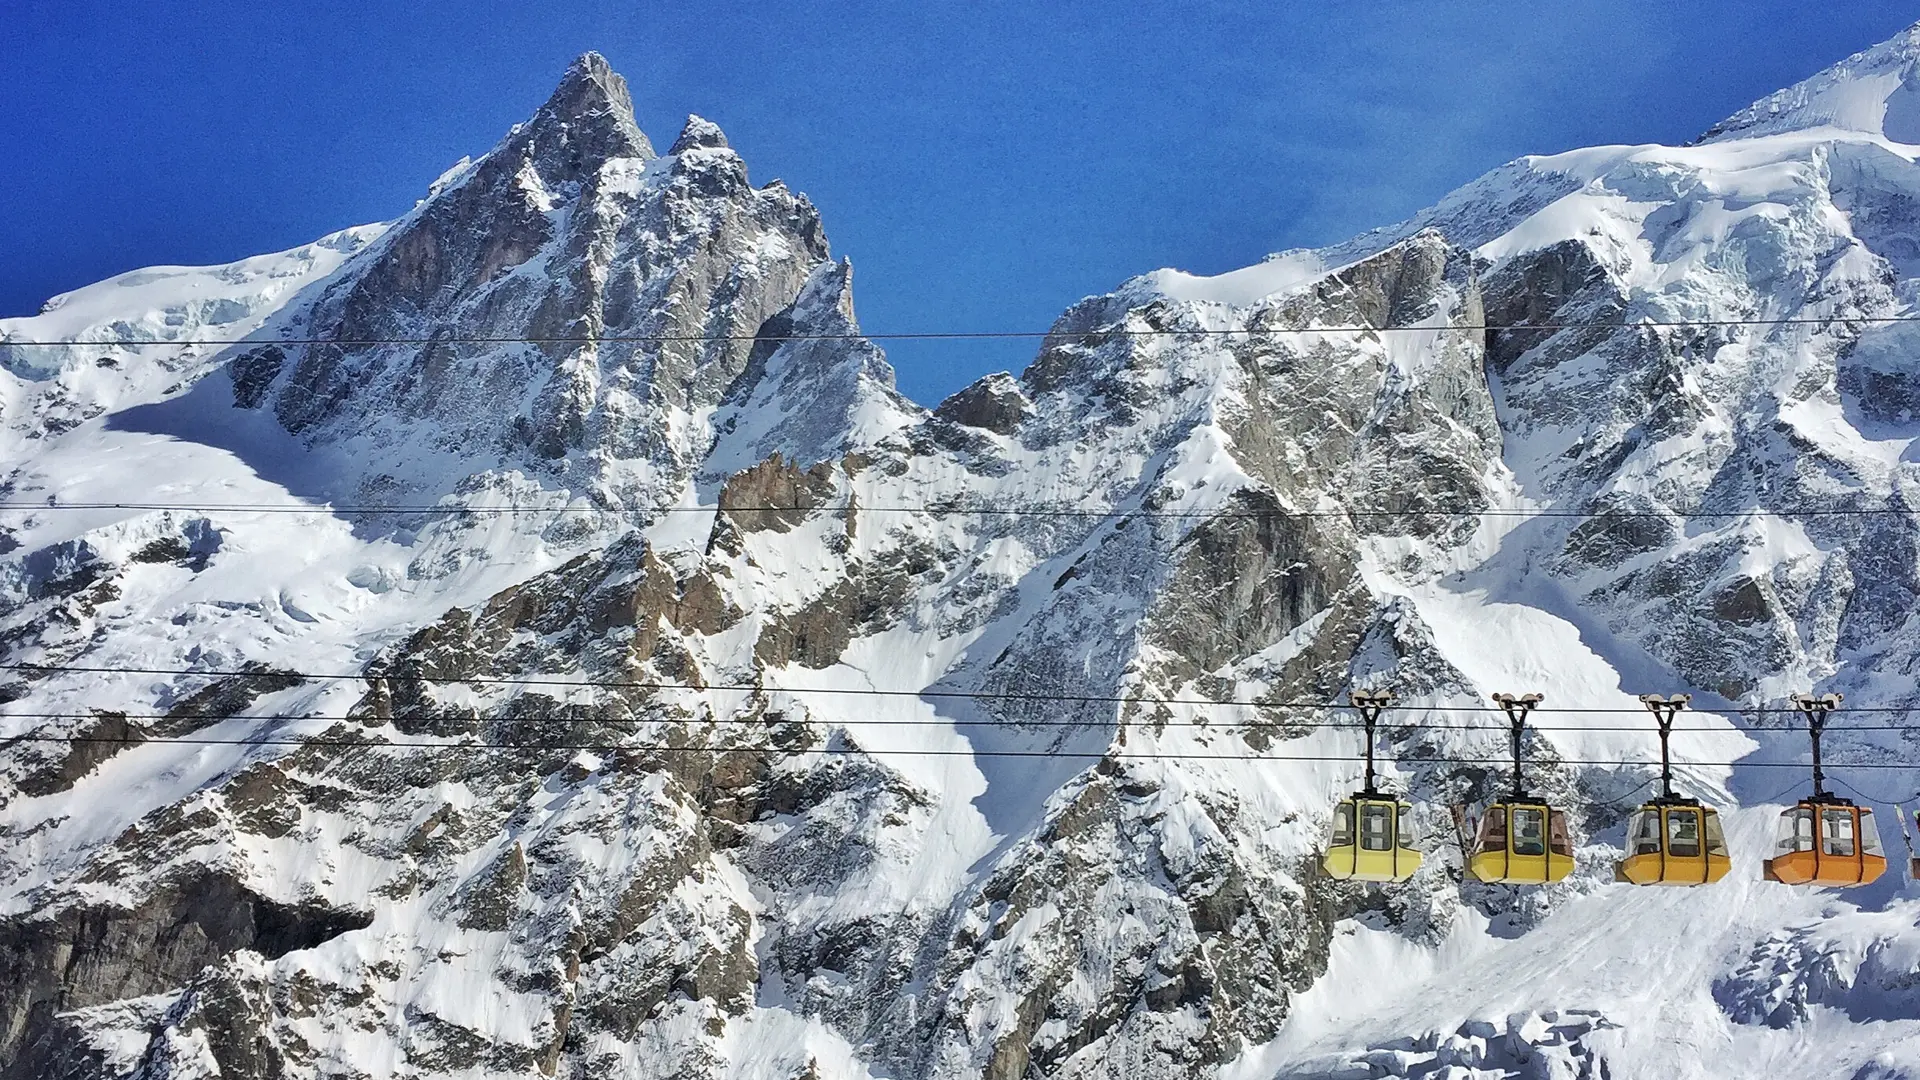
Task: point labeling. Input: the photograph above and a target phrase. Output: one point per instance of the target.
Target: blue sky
(985, 163)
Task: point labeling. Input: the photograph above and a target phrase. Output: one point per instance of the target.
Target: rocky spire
(699, 133)
(587, 120)
(637, 293)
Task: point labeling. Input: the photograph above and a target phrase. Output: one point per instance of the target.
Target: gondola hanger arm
(1517, 706)
(1817, 710)
(1370, 704)
(1664, 708)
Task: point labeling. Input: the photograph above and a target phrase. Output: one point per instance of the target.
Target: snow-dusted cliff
(554, 752)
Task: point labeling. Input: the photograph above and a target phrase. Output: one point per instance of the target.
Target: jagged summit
(591, 111)
(1875, 91)
(585, 301)
(699, 133)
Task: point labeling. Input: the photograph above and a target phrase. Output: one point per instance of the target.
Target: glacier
(548, 645)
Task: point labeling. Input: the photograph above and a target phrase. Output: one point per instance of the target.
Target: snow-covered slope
(559, 651)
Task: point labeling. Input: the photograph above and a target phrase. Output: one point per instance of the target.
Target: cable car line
(987, 335)
(855, 691)
(1437, 759)
(1776, 797)
(1915, 797)
(1519, 840)
(1206, 725)
(1519, 513)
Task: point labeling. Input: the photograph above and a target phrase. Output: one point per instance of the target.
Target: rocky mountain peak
(699, 133)
(994, 403)
(581, 305)
(589, 117)
(830, 290)
(1875, 91)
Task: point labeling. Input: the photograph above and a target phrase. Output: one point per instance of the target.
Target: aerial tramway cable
(1033, 510)
(1520, 840)
(957, 722)
(146, 739)
(866, 691)
(974, 335)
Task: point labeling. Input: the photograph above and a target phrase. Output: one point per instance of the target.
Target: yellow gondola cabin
(1521, 843)
(1520, 840)
(1672, 840)
(1372, 840)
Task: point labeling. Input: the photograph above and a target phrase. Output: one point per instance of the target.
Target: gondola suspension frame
(1370, 704)
(1817, 710)
(1664, 709)
(1517, 706)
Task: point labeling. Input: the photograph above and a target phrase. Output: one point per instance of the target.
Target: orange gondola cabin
(1825, 840)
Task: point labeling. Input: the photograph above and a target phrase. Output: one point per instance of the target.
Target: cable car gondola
(1913, 858)
(1672, 840)
(1521, 840)
(1825, 840)
(1372, 837)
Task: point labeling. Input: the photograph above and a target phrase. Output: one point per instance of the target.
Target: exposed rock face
(74, 957)
(641, 280)
(994, 404)
(734, 716)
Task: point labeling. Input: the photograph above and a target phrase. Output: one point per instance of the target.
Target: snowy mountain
(549, 646)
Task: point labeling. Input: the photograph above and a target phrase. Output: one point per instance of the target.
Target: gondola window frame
(1343, 824)
(1680, 845)
(1645, 837)
(1372, 838)
(1869, 834)
(1800, 837)
(1838, 837)
(1529, 828)
(1715, 836)
(1493, 830)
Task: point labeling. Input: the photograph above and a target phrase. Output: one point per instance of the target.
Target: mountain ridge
(809, 733)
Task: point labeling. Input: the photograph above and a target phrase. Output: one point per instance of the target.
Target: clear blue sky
(984, 163)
